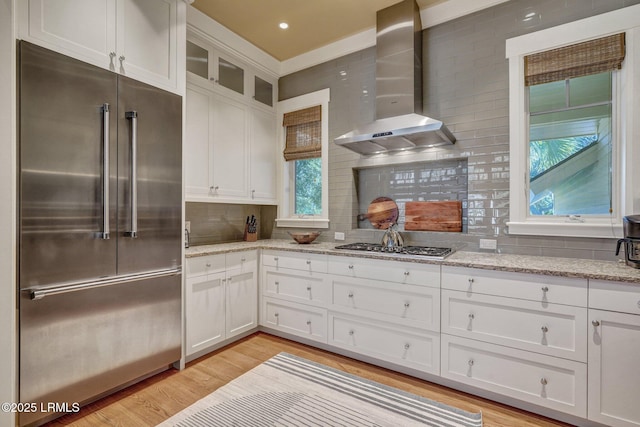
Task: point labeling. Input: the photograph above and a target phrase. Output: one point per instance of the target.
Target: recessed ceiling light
(283, 25)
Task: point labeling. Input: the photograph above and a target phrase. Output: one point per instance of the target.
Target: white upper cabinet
(137, 38)
(231, 146)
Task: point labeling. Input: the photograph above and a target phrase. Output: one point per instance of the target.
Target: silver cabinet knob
(545, 289)
(208, 264)
(545, 329)
(275, 258)
(276, 314)
(277, 283)
(595, 323)
(308, 262)
(243, 259)
(253, 192)
(351, 332)
(350, 295)
(406, 273)
(406, 305)
(472, 316)
(308, 322)
(471, 280)
(350, 266)
(543, 381)
(309, 288)
(121, 58)
(407, 346)
(470, 362)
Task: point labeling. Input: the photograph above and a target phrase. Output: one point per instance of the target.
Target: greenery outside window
(304, 199)
(571, 131)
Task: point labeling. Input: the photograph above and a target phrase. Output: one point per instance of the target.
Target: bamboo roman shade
(303, 134)
(582, 59)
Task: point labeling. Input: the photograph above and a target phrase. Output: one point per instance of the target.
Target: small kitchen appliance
(631, 227)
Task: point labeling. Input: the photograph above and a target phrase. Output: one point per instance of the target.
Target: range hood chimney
(399, 123)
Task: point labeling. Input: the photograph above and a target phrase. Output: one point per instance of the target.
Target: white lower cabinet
(614, 352)
(547, 381)
(520, 335)
(220, 298)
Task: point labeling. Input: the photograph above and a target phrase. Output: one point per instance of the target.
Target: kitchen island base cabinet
(412, 348)
(542, 380)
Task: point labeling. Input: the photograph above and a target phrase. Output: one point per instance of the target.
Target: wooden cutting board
(433, 216)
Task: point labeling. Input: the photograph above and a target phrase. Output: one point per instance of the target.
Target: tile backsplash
(466, 85)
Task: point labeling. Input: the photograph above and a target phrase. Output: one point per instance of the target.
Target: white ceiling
(312, 23)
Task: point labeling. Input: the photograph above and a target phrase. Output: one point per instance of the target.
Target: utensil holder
(249, 237)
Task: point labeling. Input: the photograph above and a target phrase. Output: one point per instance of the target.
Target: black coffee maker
(631, 227)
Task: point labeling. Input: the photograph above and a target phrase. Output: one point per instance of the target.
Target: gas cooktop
(422, 251)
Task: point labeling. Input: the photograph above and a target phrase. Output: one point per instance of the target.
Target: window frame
(286, 178)
(625, 124)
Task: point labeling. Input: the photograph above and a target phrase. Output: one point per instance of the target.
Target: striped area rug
(287, 390)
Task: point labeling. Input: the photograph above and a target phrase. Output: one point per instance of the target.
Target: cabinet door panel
(146, 40)
(229, 130)
(242, 308)
(84, 29)
(205, 322)
(198, 158)
(263, 155)
(614, 373)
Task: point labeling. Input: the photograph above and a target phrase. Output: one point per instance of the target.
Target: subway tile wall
(465, 83)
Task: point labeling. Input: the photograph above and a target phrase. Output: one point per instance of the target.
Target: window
(304, 201)
(571, 155)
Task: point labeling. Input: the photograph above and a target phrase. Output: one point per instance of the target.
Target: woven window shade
(582, 59)
(303, 134)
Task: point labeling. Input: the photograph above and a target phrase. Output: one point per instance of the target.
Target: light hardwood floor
(157, 398)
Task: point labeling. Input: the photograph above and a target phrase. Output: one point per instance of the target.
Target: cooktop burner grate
(424, 251)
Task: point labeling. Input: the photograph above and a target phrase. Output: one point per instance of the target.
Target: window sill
(566, 229)
(303, 222)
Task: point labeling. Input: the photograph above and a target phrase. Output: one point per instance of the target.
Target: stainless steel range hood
(399, 123)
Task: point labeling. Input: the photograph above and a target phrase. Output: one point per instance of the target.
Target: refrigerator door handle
(36, 294)
(133, 117)
(105, 172)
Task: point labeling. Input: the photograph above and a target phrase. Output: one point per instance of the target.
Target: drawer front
(295, 319)
(390, 271)
(552, 329)
(245, 261)
(309, 288)
(295, 260)
(614, 296)
(418, 350)
(201, 265)
(411, 305)
(535, 287)
(542, 380)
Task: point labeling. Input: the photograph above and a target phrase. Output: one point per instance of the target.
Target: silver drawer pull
(406, 273)
(472, 316)
(545, 329)
(407, 346)
(543, 381)
(471, 280)
(595, 323)
(545, 289)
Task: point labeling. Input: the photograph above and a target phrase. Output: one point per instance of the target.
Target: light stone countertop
(563, 267)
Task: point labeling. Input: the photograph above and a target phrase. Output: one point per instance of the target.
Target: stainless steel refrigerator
(100, 226)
